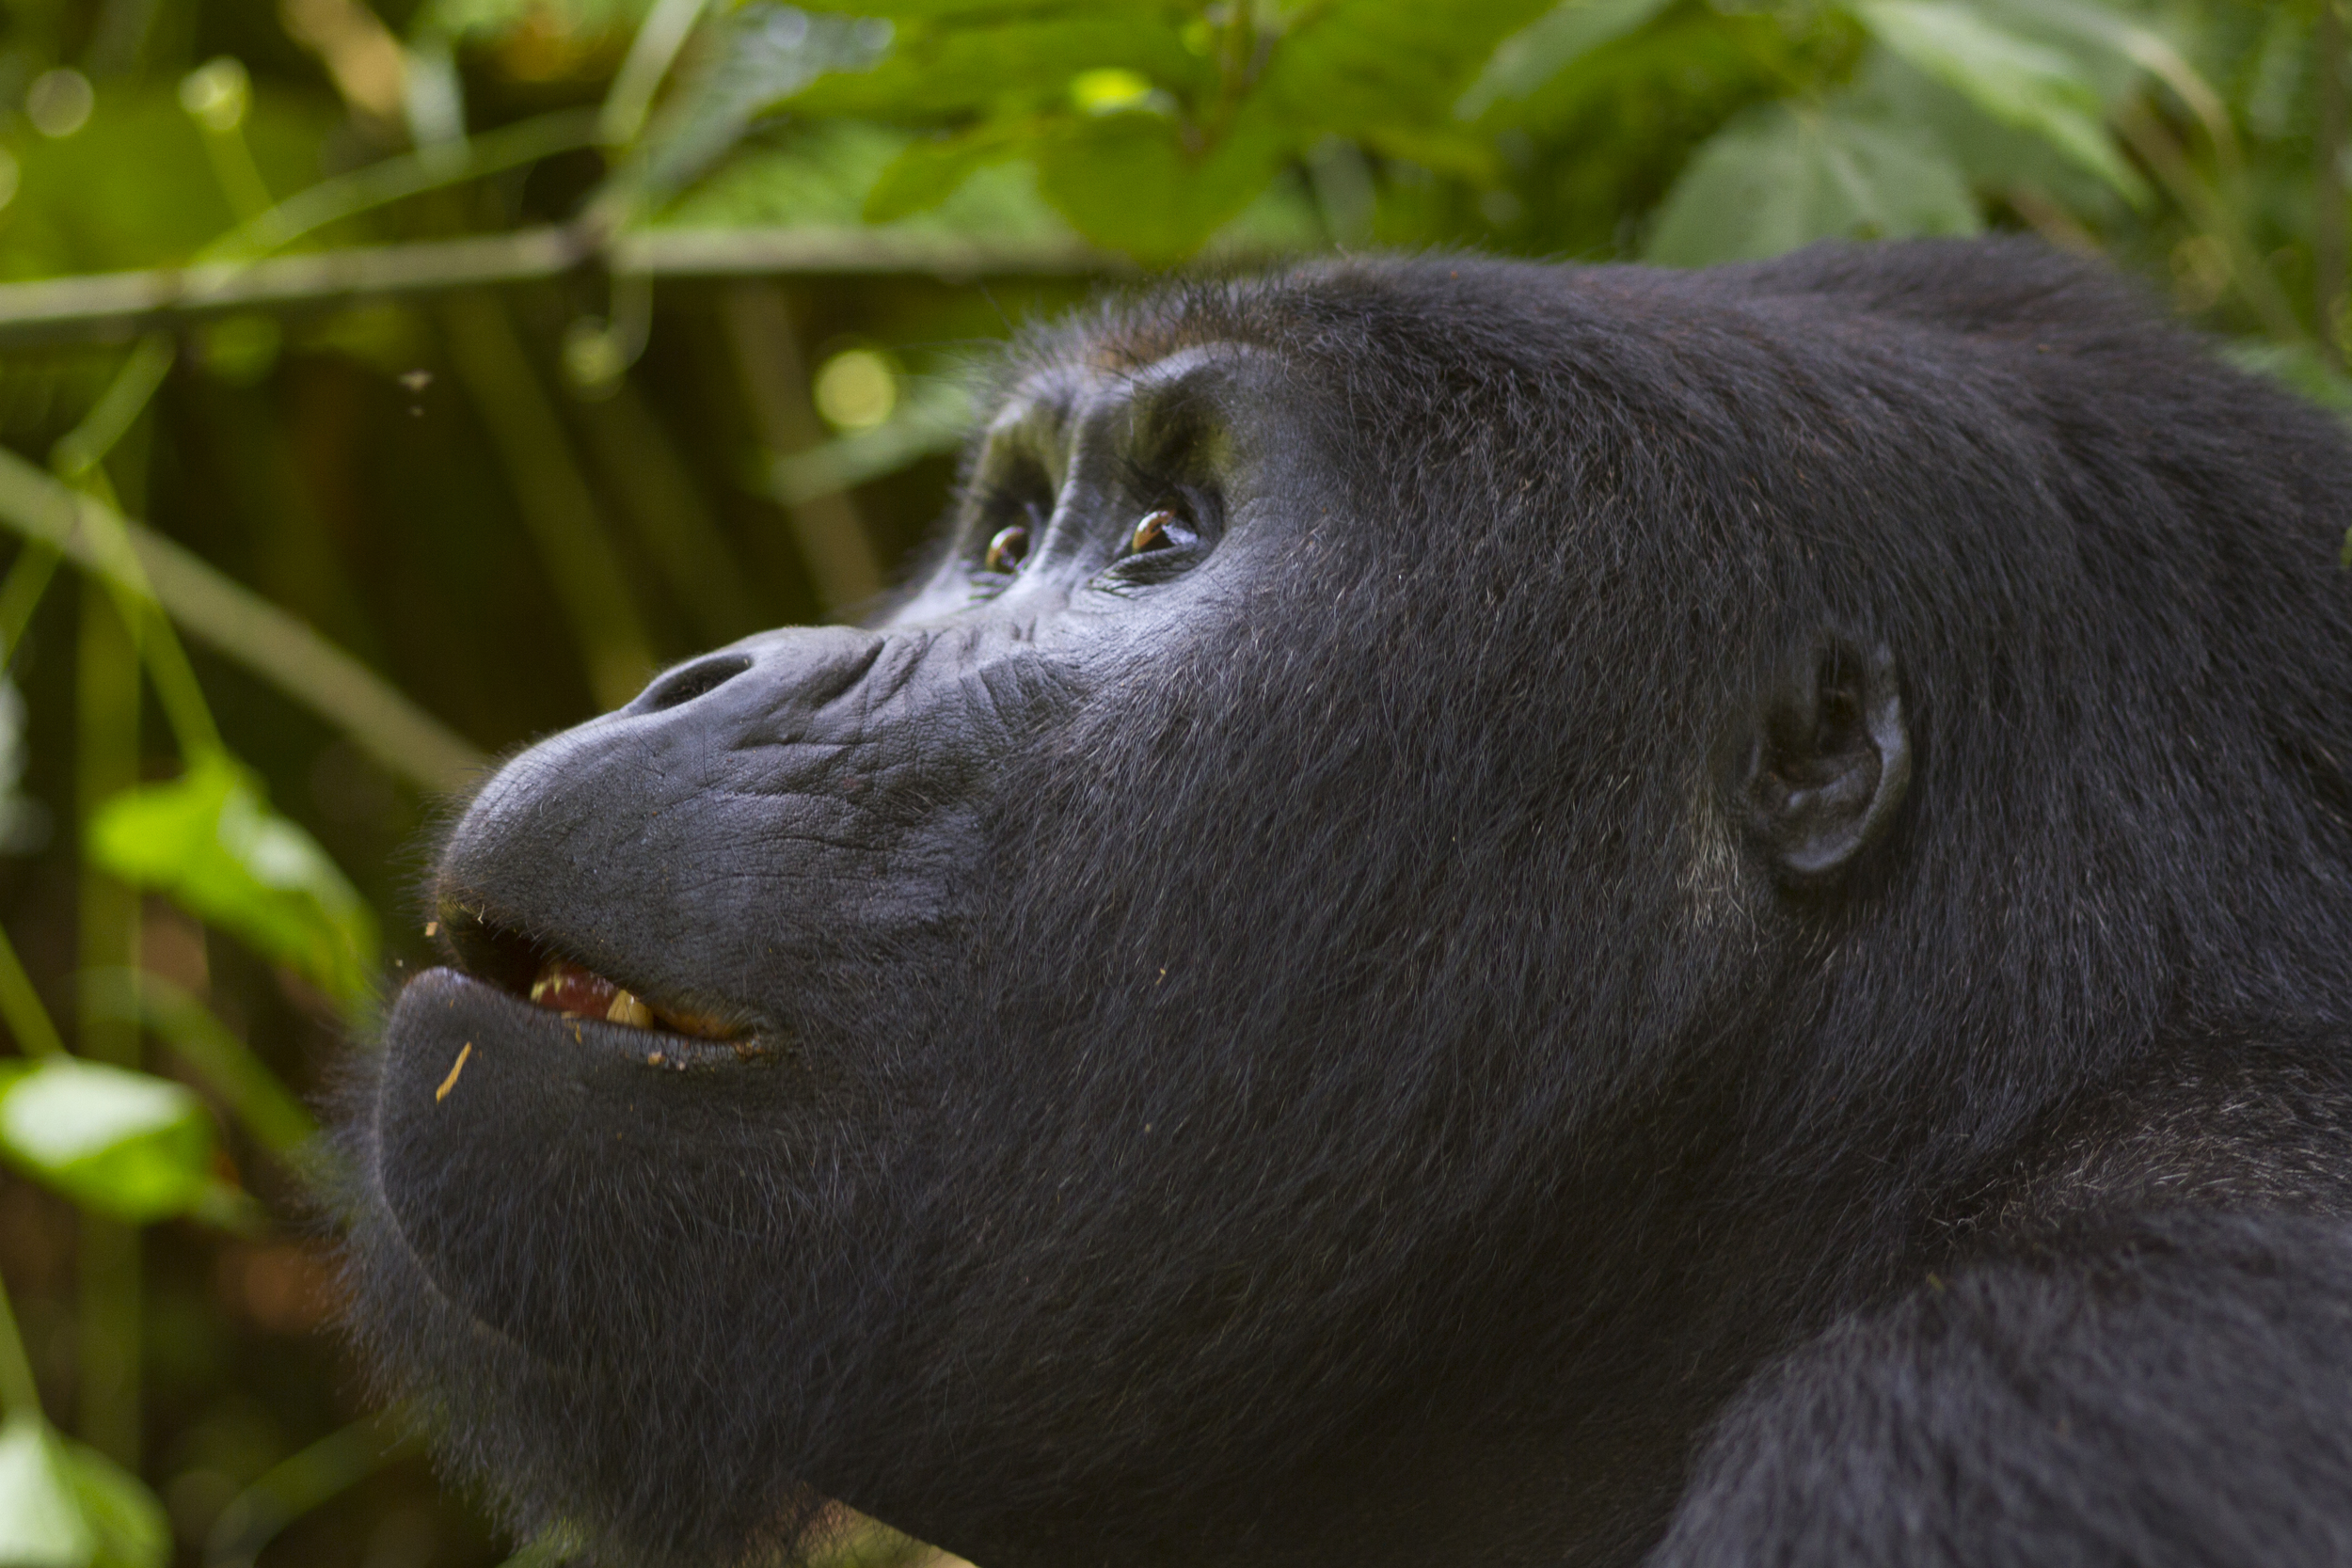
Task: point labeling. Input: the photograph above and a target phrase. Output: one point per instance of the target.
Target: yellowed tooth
(539, 988)
(628, 1010)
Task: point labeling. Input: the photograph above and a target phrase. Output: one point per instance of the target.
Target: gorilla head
(1447, 857)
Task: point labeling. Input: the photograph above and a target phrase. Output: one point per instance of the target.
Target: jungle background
(383, 382)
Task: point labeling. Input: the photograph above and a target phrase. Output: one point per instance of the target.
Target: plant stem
(20, 1394)
(833, 544)
(106, 671)
(107, 1410)
(225, 1063)
(109, 306)
(21, 1007)
(651, 53)
(672, 521)
(559, 508)
(79, 459)
(380, 184)
(2204, 207)
(268, 228)
(106, 762)
(21, 594)
(80, 450)
(295, 1485)
(158, 645)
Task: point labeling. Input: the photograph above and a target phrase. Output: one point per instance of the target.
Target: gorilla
(1473, 911)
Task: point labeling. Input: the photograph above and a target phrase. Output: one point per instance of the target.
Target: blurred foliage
(208, 839)
(128, 1144)
(448, 522)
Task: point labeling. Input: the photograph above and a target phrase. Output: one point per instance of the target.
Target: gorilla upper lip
(531, 967)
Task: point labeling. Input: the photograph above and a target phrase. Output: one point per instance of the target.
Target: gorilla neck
(1595, 1488)
(1505, 1502)
(1555, 1428)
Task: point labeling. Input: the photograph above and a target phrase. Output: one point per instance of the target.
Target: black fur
(1434, 1019)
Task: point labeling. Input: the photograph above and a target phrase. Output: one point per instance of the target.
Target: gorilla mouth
(531, 968)
(565, 987)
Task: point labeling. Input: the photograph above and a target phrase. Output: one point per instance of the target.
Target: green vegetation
(438, 370)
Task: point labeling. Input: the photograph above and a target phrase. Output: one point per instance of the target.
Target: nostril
(688, 682)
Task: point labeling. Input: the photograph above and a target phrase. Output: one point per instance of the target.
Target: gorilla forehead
(1722, 427)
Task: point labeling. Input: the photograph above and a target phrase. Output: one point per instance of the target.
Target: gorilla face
(1232, 996)
(838, 1081)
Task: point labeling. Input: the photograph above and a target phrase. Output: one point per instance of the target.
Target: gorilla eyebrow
(1174, 409)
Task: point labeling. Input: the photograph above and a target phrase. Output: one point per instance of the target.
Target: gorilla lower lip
(566, 988)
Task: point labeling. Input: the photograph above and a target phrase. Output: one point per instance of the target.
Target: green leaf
(209, 839)
(494, 19)
(66, 1506)
(949, 11)
(930, 170)
(133, 188)
(1128, 182)
(1777, 178)
(1358, 67)
(760, 55)
(944, 73)
(1540, 51)
(1992, 156)
(822, 174)
(132, 1530)
(1447, 148)
(42, 1524)
(137, 1147)
(2016, 81)
(224, 1064)
(2299, 367)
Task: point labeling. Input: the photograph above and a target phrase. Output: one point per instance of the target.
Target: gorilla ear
(1828, 763)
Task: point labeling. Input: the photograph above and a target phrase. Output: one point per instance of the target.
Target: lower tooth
(628, 1010)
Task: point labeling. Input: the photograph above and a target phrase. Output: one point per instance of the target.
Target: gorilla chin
(1579, 915)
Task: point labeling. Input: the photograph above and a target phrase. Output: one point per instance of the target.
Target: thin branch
(2204, 207)
(396, 178)
(110, 307)
(660, 37)
(295, 1486)
(19, 1395)
(675, 532)
(277, 646)
(81, 448)
(559, 507)
(833, 543)
(78, 461)
(21, 1007)
(846, 250)
(225, 1063)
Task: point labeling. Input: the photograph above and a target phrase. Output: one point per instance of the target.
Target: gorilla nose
(816, 663)
(689, 681)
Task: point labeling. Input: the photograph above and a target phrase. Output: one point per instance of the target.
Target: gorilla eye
(1154, 533)
(1008, 550)
(1151, 532)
